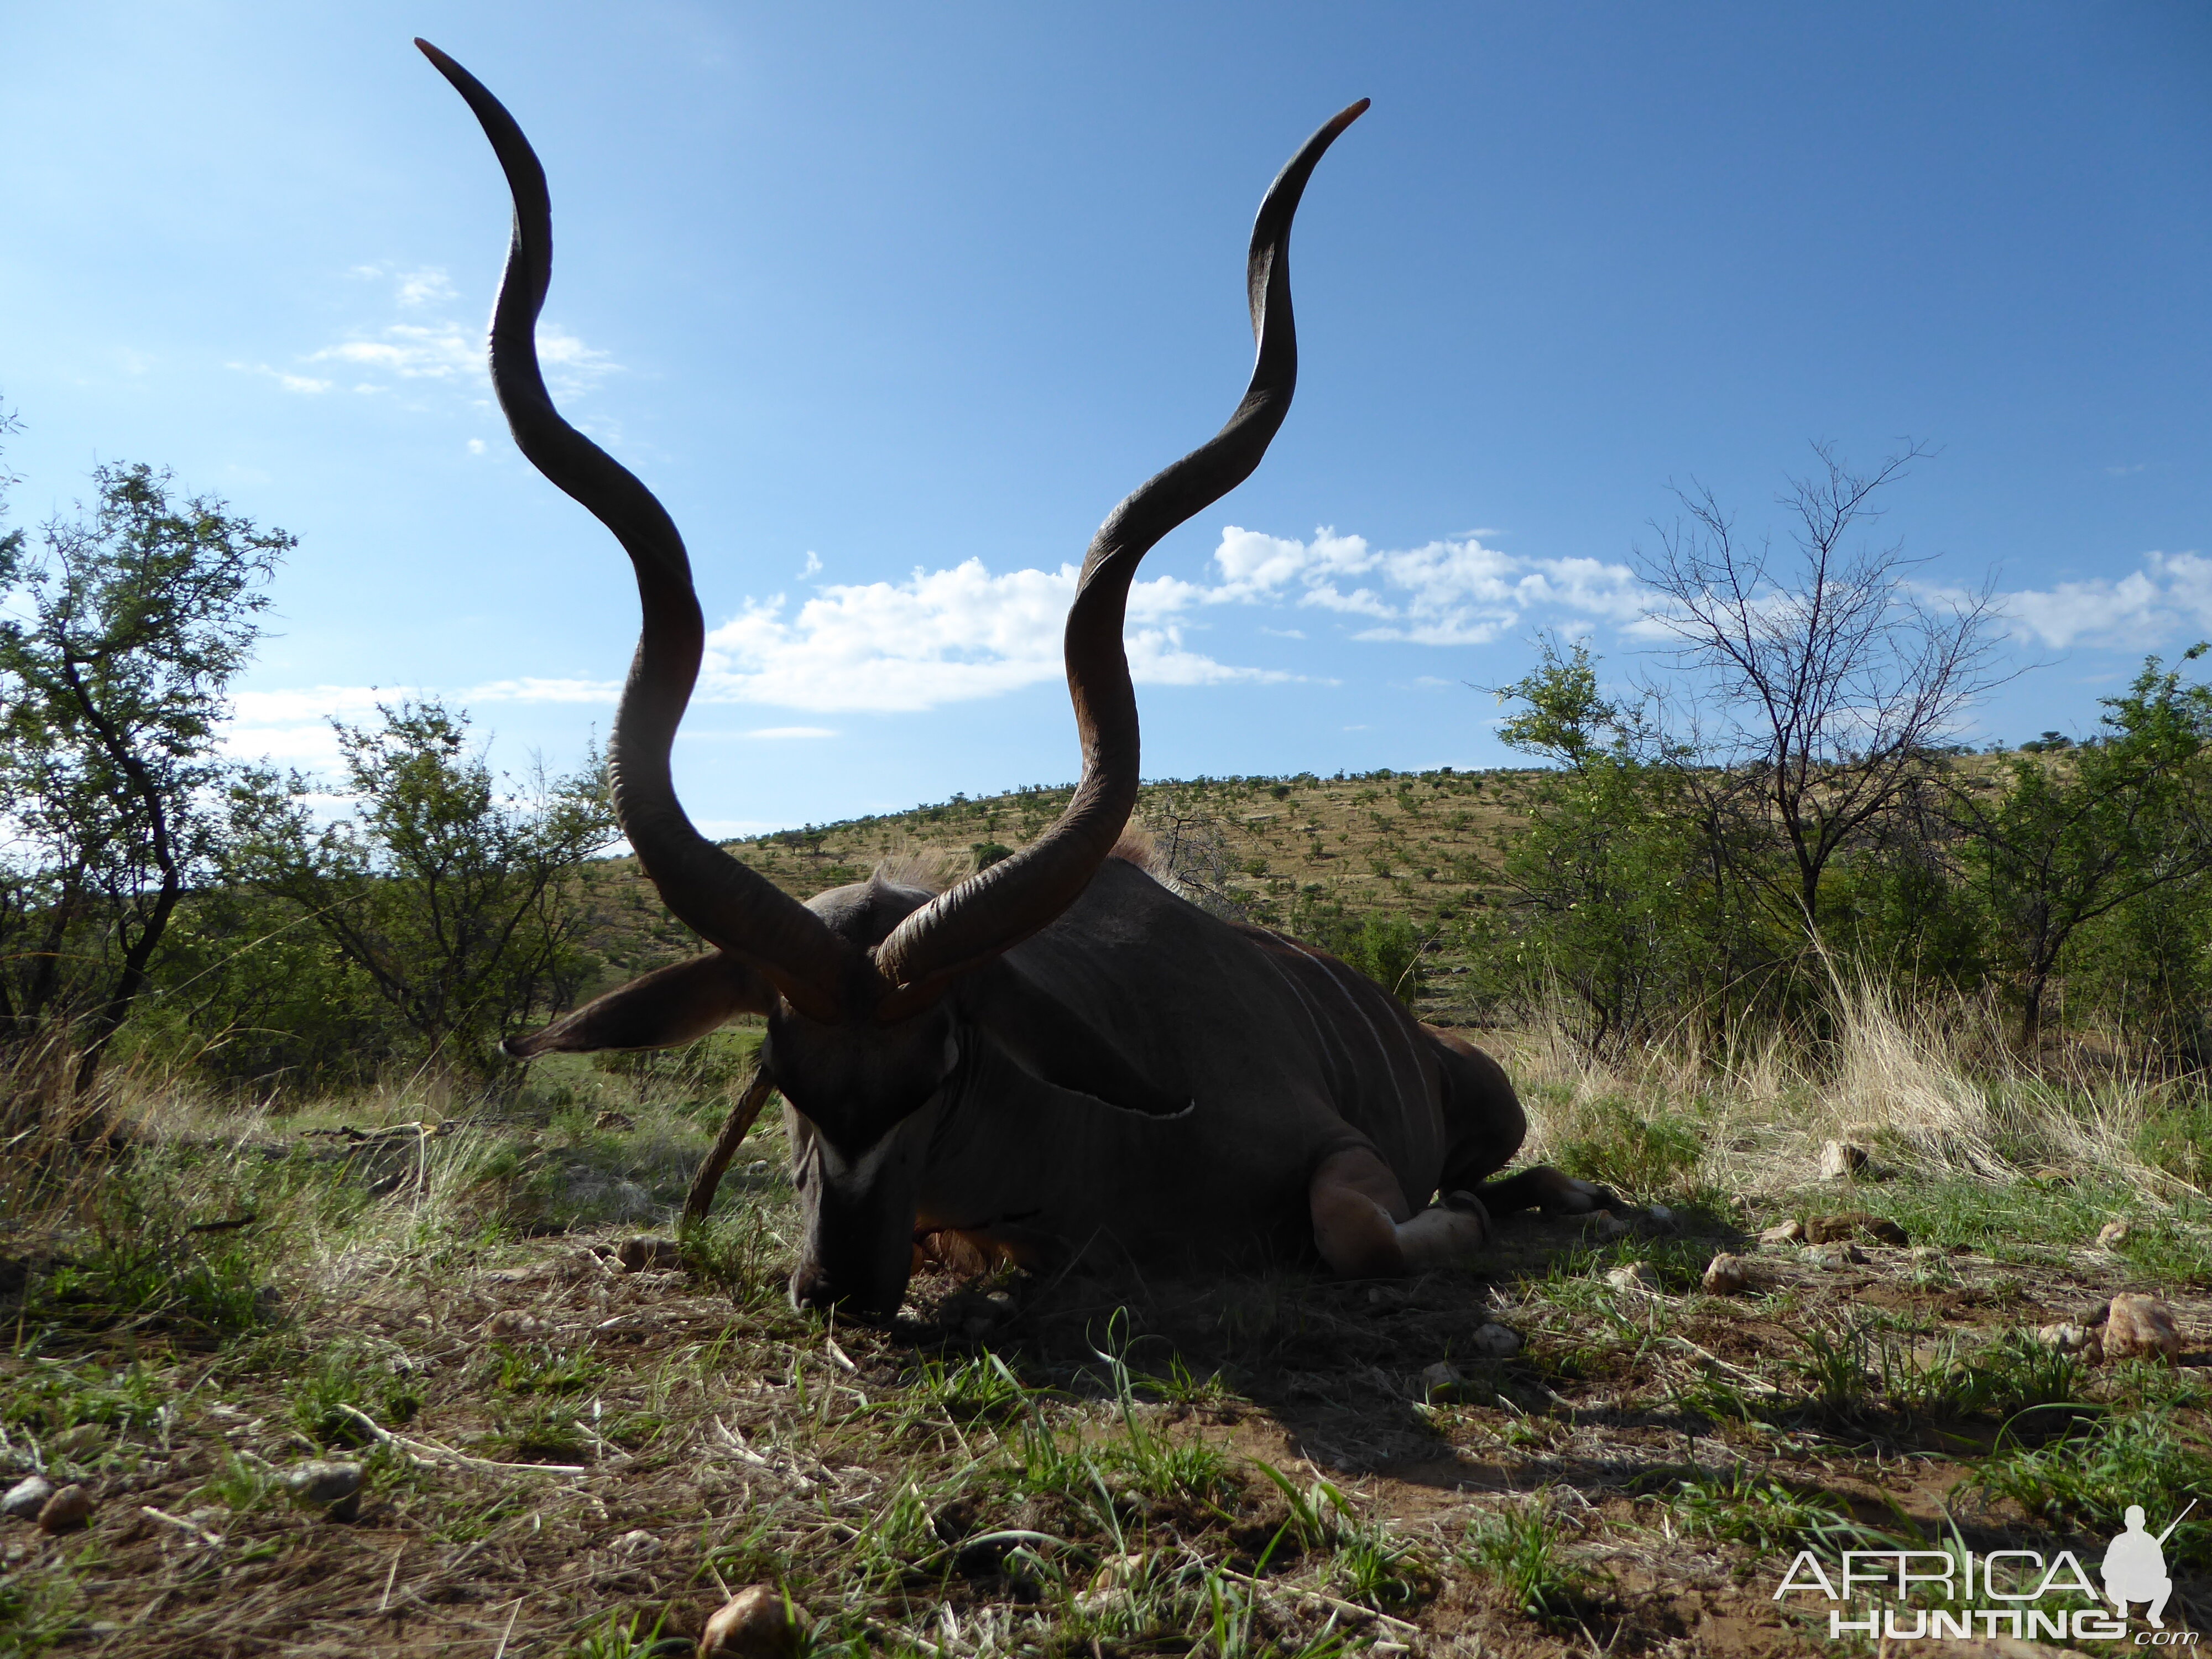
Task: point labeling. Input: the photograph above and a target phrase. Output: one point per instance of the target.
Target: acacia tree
(1823, 677)
(453, 894)
(2074, 835)
(117, 647)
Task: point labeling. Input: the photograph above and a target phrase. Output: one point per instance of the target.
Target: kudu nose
(811, 1288)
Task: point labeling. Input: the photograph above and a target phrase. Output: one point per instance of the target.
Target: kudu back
(1058, 1053)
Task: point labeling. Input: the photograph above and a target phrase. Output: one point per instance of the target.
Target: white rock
(1635, 1276)
(27, 1498)
(1842, 1159)
(2066, 1336)
(1725, 1275)
(637, 1544)
(2139, 1326)
(1785, 1233)
(2112, 1235)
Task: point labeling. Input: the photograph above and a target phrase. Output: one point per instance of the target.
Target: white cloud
(304, 384)
(2166, 599)
(941, 637)
(424, 287)
(1453, 592)
(425, 344)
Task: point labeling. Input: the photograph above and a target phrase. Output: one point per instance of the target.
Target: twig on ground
(429, 1452)
(212, 1540)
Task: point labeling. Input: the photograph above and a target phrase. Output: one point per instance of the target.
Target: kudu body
(1058, 1053)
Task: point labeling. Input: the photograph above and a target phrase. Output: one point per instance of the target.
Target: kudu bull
(1059, 1052)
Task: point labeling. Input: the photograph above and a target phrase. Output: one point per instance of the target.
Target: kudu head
(873, 994)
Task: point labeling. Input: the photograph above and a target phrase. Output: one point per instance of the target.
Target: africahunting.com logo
(1906, 1596)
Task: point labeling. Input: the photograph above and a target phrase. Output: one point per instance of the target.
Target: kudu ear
(1055, 1044)
(662, 1010)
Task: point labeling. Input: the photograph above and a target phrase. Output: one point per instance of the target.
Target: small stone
(757, 1623)
(638, 1255)
(27, 1498)
(1118, 1571)
(1605, 1226)
(1661, 1214)
(1441, 1378)
(70, 1507)
(1725, 1275)
(1835, 1256)
(616, 1121)
(1635, 1276)
(1785, 1233)
(2112, 1235)
(323, 1480)
(1842, 1159)
(1852, 1223)
(637, 1544)
(2066, 1336)
(1495, 1342)
(2138, 1327)
(74, 1443)
(330, 1485)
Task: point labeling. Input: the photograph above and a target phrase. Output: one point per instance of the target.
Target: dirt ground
(561, 1457)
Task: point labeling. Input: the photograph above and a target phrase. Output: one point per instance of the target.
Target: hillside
(1302, 854)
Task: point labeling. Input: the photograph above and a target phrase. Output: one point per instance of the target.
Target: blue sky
(891, 304)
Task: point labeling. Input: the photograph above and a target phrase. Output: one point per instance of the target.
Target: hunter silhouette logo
(2020, 1594)
(2135, 1566)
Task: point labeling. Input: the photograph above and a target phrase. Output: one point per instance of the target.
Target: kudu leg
(708, 1181)
(1356, 1202)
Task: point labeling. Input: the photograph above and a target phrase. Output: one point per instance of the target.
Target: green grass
(1641, 1152)
(350, 1374)
(1516, 1548)
(1747, 1508)
(2086, 1479)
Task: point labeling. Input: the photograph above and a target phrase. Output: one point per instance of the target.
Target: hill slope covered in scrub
(1310, 855)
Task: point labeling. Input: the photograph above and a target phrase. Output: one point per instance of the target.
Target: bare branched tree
(1823, 677)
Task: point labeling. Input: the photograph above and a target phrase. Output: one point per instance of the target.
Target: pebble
(1785, 1233)
(1635, 1276)
(1851, 1223)
(638, 1256)
(1441, 1377)
(332, 1484)
(1725, 1275)
(1842, 1159)
(1495, 1342)
(2066, 1336)
(27, 1498)
(70, 1507)
(1659, 1213)
(1605, 1226)
(757, 1623)
(2138, 1327)
(637, 1544)
(2112, 1235)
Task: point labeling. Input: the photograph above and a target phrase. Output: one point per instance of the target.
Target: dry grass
(1093, 1466)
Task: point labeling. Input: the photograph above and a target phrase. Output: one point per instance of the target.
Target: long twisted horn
(708, 890)
(997, 907)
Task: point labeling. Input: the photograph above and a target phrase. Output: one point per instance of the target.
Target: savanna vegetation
(272, 1201)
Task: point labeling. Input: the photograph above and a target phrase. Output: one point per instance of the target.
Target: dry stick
(704, 1185)
(1351, 1607)
(429, 1451)
(500, 1651)
(384, 1602)
(213, 1539)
